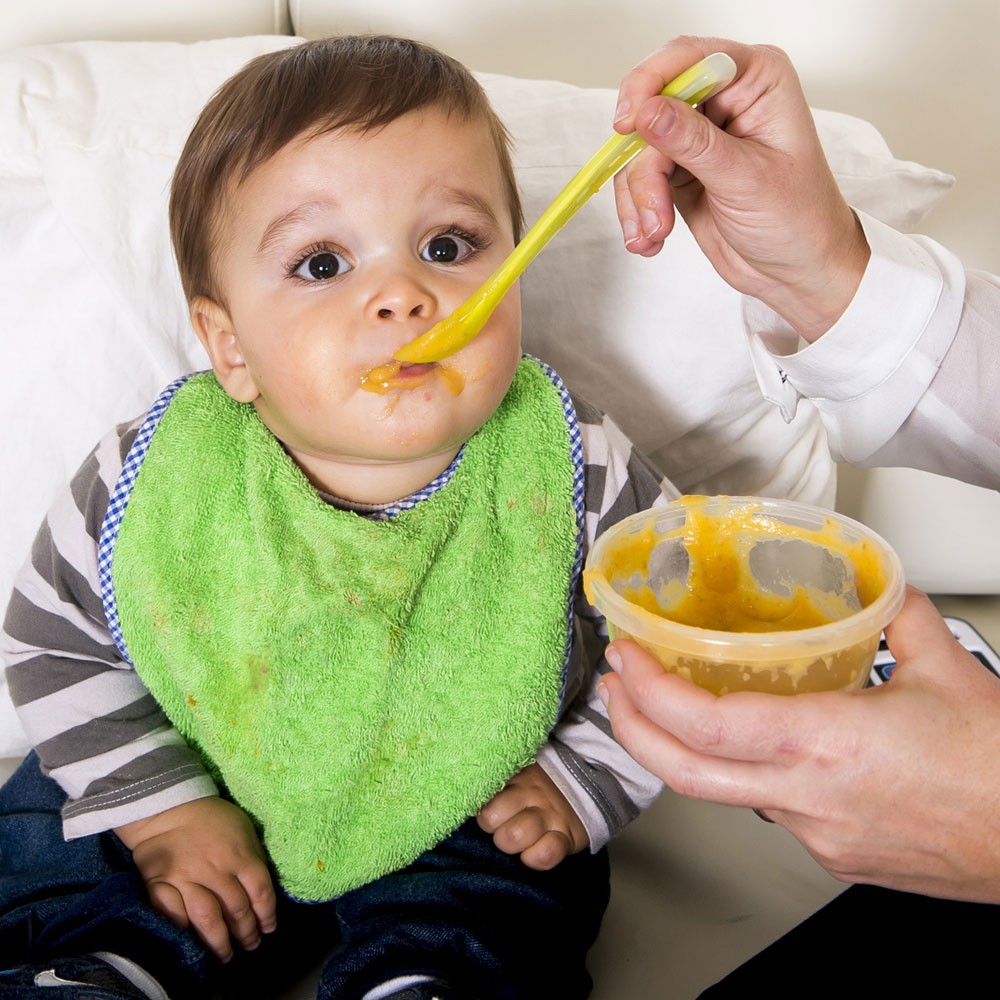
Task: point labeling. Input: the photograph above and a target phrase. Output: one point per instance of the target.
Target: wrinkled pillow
(93, 322)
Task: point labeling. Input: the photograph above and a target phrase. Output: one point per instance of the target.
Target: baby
(300, 636)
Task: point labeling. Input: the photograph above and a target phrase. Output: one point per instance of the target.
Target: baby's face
(333, 254)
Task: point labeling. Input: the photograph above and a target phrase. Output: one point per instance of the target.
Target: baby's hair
(362, 82)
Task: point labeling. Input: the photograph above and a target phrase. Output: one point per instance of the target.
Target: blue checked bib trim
(137, 453)
(116, 509)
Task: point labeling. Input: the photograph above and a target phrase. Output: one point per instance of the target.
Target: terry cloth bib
(360, 686)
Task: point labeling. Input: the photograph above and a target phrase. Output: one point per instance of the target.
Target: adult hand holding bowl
(748, 594)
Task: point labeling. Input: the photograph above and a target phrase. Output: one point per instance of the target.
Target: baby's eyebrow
(471, 200)
(277, 227)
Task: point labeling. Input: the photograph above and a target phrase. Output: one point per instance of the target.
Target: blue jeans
(463, 911)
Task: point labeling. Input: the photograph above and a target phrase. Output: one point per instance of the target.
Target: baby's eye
(321, 265)
(448, 249)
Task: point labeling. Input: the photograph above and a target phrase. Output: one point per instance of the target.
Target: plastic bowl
(747, 593)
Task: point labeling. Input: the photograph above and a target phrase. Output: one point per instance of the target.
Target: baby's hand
(205, 868)
(531, 817)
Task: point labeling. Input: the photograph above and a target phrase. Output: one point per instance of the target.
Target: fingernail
(602, 693)
(650, 222)
(630, 230)
(664, 120)
(614, 659)
(622, 110)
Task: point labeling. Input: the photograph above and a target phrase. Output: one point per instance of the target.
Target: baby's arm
(585, 787)
(96, 729)
(204, 868)
(102, 737)
(531, 817)
(605, 787)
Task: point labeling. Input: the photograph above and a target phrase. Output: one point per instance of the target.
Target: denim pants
(463, 911)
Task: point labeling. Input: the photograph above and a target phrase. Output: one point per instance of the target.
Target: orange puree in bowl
(721, 592)
(741, 593)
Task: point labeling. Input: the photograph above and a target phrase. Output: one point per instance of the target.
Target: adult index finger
(742, 726)
(683, 768)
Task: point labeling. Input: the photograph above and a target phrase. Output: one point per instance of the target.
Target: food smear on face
(721, 591)
(454, 380)
(394, 376)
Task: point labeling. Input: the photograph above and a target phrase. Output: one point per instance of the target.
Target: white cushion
(93, 323)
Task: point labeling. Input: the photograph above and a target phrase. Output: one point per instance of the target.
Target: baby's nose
(402, 296)
(388, 312)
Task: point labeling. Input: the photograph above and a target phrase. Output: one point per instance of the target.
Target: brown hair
(360, 81)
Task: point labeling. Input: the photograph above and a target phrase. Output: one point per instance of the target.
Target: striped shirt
(100, 734)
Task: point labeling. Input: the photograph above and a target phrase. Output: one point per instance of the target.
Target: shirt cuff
(114, 813)
(867, 372)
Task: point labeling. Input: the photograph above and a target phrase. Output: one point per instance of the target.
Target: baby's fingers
(198, 908)
(213, 920)
(259, 890)
(238, 913)
(548, 851)
(166, 899)
(520, 831)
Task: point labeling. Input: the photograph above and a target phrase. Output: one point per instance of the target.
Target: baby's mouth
(395, 375)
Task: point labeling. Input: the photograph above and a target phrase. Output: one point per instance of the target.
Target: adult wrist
(812, 305)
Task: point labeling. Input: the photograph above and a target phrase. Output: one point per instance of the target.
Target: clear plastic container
(747, 593)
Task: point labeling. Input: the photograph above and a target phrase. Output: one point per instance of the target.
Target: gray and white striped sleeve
(96, 729)
(605, 786)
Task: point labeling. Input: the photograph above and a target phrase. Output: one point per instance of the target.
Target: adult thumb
(918, 637)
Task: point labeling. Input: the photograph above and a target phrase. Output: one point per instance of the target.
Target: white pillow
(93, 323)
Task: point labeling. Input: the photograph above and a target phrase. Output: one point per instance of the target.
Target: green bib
(360, 687)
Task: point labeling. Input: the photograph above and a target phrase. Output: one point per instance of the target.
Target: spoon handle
(693, 86)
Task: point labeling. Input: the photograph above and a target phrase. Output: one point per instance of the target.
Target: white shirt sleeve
(906, 376)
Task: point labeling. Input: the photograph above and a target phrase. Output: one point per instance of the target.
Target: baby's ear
(215, 330)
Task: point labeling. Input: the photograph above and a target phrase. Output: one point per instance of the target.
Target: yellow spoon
(693, 86)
